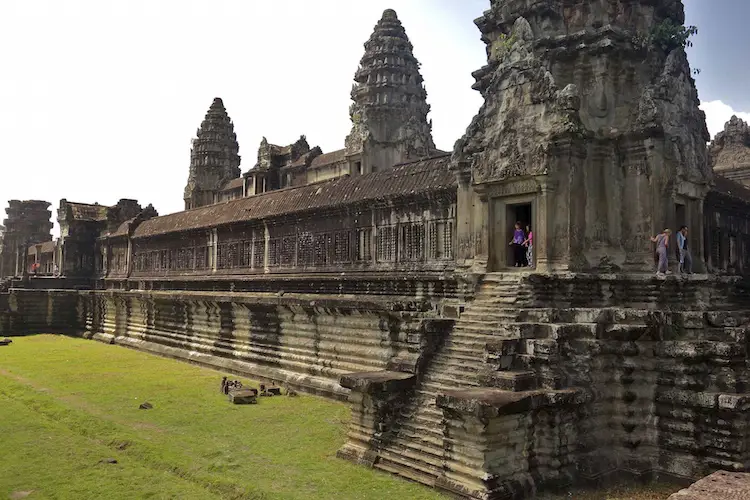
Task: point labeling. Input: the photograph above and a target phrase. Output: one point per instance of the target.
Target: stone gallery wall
(305, 341)
(398, 220)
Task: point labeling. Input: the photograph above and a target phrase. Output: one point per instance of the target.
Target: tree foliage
(669, 35)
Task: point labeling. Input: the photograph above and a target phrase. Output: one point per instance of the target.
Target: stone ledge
(395, 304)
(720, 485)
(490, 402)
(706, 400)
(374, 382)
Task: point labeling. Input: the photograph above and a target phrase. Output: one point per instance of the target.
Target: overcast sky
(99, 99)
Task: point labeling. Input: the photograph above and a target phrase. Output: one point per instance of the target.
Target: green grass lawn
(68, 405)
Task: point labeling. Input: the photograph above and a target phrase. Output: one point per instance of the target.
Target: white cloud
(718, 113)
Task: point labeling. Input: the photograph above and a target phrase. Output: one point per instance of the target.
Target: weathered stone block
(243, 396)
(509, 380)
(725, 318)
(734, 402)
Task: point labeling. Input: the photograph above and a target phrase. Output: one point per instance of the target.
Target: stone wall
(306, 341)
(551, 380)
(727, 228)
(663, 363)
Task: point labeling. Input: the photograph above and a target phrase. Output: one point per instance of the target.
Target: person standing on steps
(662, 245)
(517, 244)
(686, 260)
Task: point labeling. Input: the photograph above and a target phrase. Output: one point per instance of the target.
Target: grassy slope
(66, 404)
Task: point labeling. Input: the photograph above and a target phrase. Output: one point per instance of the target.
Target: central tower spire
(214, 158)
(389, 113)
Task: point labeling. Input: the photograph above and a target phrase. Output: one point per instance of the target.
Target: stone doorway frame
(499, 250)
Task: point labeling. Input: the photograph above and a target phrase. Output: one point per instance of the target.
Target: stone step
(406, 470)
(462, 369)
(479, 328)
(427, 437)
(447, 382)
(485, 319)
(486, 292)
(457, 354)
(478, 309)
(514, 381)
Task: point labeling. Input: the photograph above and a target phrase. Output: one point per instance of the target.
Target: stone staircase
(417, 451)
(546, 380)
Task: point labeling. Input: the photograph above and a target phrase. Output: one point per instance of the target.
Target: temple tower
(730, 151)
(389, 113)
(28, 222)
(590, 132)
(214, 158)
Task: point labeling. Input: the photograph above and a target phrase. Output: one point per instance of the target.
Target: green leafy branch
(669, 35)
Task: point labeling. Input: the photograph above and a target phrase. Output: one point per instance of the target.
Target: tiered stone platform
(305, 340)
(547, 381)
(520, 383)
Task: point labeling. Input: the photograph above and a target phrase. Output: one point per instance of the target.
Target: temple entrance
(520, 213)
(505, 215)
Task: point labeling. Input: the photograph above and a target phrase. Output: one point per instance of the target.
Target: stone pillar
(638, 223)
(544, 230)
(213, 249)
(464, 218)
(128, 258)
(696, 232)
(373, 240)
(480, 232)
(266, 247)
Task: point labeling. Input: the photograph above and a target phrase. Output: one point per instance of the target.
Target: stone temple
(380, 274)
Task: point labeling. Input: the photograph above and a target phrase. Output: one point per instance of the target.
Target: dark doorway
(680, 216)
(520, 213)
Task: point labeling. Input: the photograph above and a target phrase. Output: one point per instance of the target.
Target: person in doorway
(529, 244)
(517, 244)
(662, 246)
(686, 260)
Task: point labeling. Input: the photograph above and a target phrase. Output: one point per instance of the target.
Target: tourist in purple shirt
(662, 243)
(517, 244)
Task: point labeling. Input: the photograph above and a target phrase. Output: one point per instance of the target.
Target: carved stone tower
(389, 113)
(590, 131)
(28, 223)
(730, 151)
(214, 158)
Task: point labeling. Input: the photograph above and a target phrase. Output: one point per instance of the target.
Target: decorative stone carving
(513, 188)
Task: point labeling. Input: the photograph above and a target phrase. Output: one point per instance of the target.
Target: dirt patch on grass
(18, 495)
